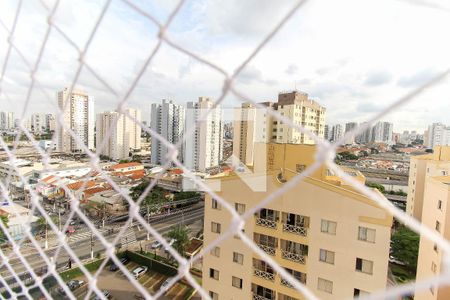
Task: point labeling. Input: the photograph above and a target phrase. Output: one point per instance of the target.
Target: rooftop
(125, 165)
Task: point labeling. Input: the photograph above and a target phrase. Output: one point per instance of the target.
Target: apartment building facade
(125, 135)
(436, 205)
(325, 234)
(6, 120)
(78, 115)
(349, 127)
(167, 119)
(41, 123)
(438, 135)
(203, 149)
(420, 168)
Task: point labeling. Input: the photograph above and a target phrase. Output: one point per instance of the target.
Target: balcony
(258, 297)
(269, 250)
(286, 283)
(263, 274)
(302, 231)
(266, 223)
(295, 257)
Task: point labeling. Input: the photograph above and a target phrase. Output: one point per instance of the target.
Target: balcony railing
(269, 250)
(293, 256)
(263, 274)
(295, 229)
(286, 283)
(266, 223)
(258, 297)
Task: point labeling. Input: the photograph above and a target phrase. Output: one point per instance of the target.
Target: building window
(366, 234)
(325, 285)
(236, 282)
(238, 258)
(440, 204)
(433, 267)
(215, 204)
(435, 248)
(438, 226)
(364, 266)
(213, 296)
(328, 227)
(326, 256)
(215, 251)
(213, 273)
(358, 292)
(300, 168)
(240, 208)
(215, 227)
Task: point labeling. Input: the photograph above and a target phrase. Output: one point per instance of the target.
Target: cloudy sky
(353, 56)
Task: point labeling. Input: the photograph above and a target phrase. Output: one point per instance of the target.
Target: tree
(181, 236)
(376, 186)
(4, 220)
(405, 247)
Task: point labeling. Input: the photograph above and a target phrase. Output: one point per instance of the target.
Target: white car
(139, 271)
(156, 245)
(165, 285)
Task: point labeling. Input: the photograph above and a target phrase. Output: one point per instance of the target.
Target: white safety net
(19, 283)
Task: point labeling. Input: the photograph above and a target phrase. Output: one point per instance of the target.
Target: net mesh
(18, 284)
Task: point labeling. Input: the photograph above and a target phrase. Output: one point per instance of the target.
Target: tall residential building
(420, 168)
(41, 122)
(382, 133)
(336, 132)
(78, 115)
(125, 135)
(326, 133)
(299, 108)
(251, 125)
(167, 119)
(438, 135)
(349, 127)
(436, 204)
(203, 149)
(322, 231)
(6, 120)
(364, 137)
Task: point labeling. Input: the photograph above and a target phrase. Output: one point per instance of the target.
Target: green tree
(4, 220)
(376, 186)
(181, 236)
(42, 223)
(405, 247)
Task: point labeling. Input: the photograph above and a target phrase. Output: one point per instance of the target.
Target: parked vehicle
(139, 271)
(165, 285)
(106, 294)
(156, 245)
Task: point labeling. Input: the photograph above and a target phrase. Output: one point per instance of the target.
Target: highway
(82, 247)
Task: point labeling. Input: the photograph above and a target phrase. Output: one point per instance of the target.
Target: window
(364, 266)
(236, 282)
(366, 234)
(215, 227)
(440, 204)
(325, 285)
(328, 227)
(215, 252)
(435, 248)
(300, 168)
(213, 296)
(238, 258)
(438, 226)
(213, 273)
(240, 208)
(358, 292)
(326, 256)
(215, 204)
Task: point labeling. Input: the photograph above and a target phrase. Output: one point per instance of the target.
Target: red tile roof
(77, 185)
(92, 191)
(125, 165)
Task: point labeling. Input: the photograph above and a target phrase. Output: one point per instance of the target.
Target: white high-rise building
(125, 133)
(167, 119)
(40, 122)
(78, 115)
(336, 132)
(349, 127)
(6, 120)
(203, 149)
(382, 132)
(438, 135)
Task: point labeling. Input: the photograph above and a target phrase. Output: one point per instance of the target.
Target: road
(82, 247)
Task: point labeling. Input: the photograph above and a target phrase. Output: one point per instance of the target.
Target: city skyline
(365, 78)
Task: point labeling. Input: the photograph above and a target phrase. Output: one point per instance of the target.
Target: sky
(355, 57)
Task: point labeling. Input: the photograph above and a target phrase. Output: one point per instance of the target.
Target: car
(165, 285)
(156, 245)
(106, 294)
(124, 260)
(73, 223)
(113, 267)
(139, 271)
(74, 284)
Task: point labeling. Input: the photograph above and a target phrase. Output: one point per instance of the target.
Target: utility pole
(59, 218)
(92, 246)
(148, 221)
(46, 234)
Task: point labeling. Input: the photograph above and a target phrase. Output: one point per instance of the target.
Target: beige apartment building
(323, 232)
(421, 167)
(254, 125)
